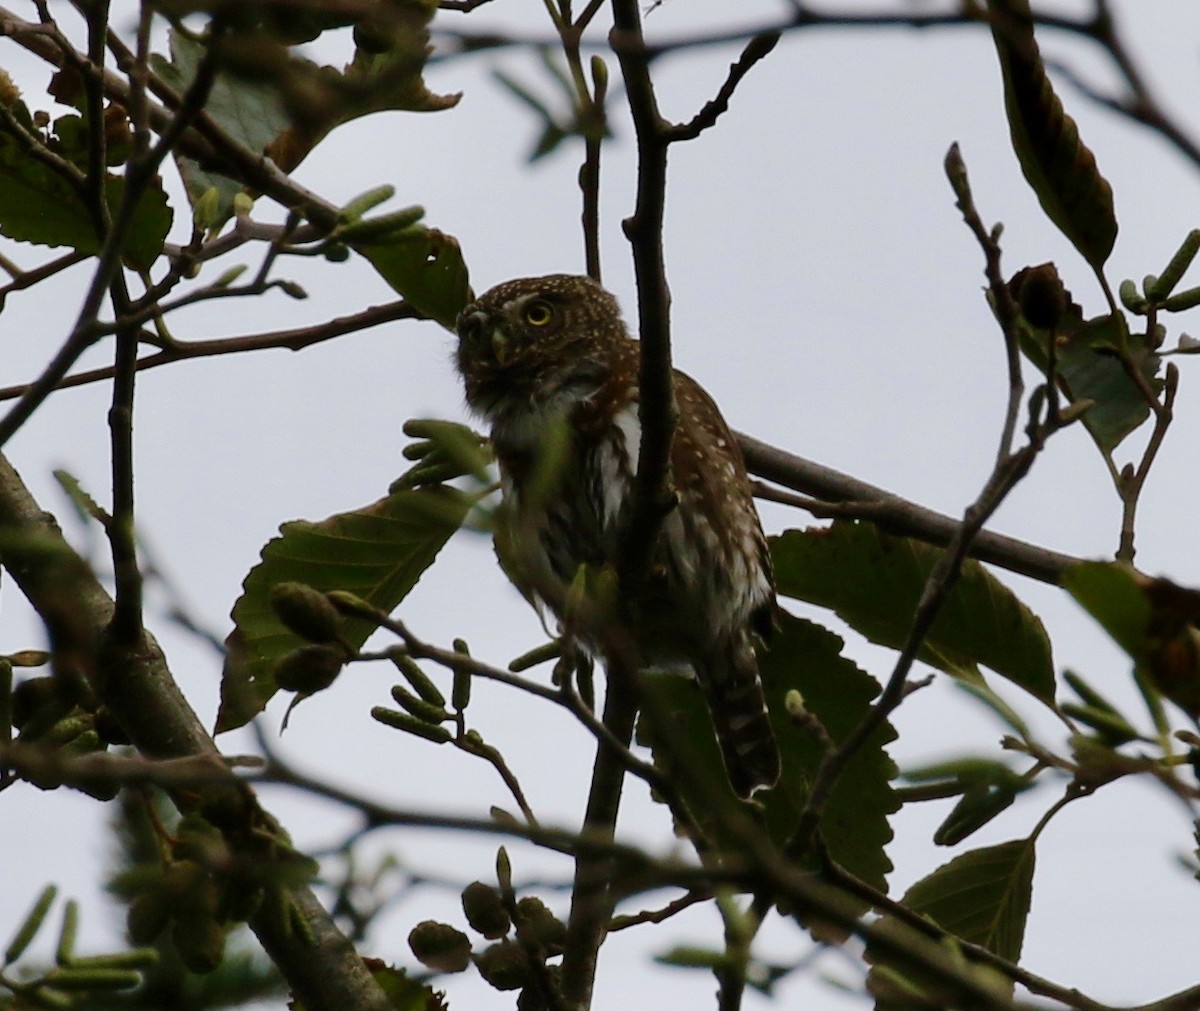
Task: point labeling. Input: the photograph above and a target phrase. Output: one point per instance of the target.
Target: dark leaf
(1057, 164)
(1087, 366)
(425, 267)
(1154, 620)
(873, 582)
(803, 657)
(39, 205)
(378, 553)
(982, 897)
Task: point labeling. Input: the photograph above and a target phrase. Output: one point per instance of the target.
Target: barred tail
(738, 709)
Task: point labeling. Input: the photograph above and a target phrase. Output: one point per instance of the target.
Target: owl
(549, 364)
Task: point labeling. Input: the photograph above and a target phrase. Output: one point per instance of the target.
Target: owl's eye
(539, 313)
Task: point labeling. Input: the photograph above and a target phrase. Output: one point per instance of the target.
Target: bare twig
(756, 49)
(894, 514)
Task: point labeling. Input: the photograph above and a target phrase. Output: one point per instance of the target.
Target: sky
(825, 292)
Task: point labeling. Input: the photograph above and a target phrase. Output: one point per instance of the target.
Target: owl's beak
(499, 346)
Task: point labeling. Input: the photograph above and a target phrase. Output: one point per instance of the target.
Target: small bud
(148, 916)
(417, 677)
(503, 870)
(309, 669)
(243, 204)
(206, 211)
(353, 606)
(599, 78)
(485, 910)
(231, 275)
(537, 925)
(460, 691)
(1189, 298)
(440, 946)
(411, 725)
(504, 965)
(793, 702)
(372, 198)
(382, 227)
(306, 611)
(1131, 298)
(292, 289)
(427, 712)
(336, 252)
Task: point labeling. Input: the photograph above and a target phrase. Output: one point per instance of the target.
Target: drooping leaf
(39, 205)
(806, 658)
(377, 553)
(426, 267)
(981, 897)
(1154, 620)
(1056, 163)
(1087, 367)
(873, 582)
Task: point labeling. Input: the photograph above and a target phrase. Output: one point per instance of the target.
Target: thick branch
(897, 515)
(324, 971)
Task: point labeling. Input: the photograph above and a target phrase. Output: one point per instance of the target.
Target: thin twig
(756, 49)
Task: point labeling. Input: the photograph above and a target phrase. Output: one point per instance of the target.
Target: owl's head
(536, 338)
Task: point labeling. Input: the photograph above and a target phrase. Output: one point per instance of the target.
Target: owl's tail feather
(739, 713)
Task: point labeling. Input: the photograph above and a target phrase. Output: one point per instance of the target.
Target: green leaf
(38, 205)
(250, 112)
(806, 658)
(1058, 166)
(1110, 593)
(389, 62)
(981, 897)
(873, 582)
(426, 267)
(378, 553)
(1088, 369)
(1154, 620)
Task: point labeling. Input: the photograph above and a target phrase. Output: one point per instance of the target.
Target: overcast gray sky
(828, 296)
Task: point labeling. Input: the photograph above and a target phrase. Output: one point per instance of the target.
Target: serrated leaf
(807, 658)
(981, 897)
(388, 72)
(378, 553)
(426, 267)
(38, 205)
(873, 582)
(1058, 166)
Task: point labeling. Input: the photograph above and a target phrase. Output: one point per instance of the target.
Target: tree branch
(323, 970)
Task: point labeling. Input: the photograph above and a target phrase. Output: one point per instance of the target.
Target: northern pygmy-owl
(548, 362)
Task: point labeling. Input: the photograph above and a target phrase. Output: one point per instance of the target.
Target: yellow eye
(539, 313)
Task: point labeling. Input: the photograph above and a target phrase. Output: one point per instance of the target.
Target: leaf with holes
(426, 267)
